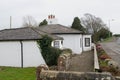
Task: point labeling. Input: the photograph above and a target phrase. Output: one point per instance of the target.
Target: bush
(49, 53)
(104, 56)
(67, 51)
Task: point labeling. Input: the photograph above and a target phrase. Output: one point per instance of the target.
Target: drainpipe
(21, 54)
(82, 43)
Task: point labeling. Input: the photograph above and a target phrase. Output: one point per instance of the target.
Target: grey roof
(58, 29)
(27, 33)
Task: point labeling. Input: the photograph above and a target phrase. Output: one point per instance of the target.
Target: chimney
(51, 19)
(48, 16)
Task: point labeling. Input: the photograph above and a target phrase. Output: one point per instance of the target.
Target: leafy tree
(77, 24)
(44, 22)
(103, 33)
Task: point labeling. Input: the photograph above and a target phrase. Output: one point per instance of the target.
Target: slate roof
(58, 29)
(27, 33)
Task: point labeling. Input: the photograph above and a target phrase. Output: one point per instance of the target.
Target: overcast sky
(64, 10)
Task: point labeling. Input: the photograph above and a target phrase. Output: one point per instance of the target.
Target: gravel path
(83, 62)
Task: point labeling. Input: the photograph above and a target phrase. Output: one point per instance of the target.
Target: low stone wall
(70, 75)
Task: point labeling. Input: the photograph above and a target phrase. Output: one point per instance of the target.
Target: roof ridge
(35, 30)
(69, 27)
(14, 28)
(44, 32)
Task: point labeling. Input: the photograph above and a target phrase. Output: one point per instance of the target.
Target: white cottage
(73, 39)
(18, 47)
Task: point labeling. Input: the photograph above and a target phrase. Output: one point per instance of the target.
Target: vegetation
(29, 21)
(44, 22)
(108, 39)
(117, 35)
(104, 62)
(12, 73)
(77, 24)
(49, 53)
(96, 27)
(103, 34)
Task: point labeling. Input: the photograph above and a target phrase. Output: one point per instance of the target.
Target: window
(56, 44)
(87, 42)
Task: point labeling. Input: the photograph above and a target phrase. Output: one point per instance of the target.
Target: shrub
(104, 56)
(49, 53)
(67, 51)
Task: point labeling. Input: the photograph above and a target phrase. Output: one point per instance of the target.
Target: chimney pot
(48, 16)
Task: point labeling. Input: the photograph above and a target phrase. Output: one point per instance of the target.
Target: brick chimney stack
(51, 19)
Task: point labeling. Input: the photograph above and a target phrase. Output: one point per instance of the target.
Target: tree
(92, 24)
(44, 22)
(102, 34)
(29, 21)
(77, 24)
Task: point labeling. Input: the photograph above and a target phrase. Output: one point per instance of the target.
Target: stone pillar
(39, 70)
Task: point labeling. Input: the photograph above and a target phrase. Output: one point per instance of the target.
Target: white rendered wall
(84, 47)
(32, 56)
(52, 21)
(10, 53)
(72, 41)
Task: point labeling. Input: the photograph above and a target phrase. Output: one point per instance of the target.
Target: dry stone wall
(44, 74)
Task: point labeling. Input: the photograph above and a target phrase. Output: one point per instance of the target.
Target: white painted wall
(72, 41)
(10, 54)
(52, 21)
(32, 55)
(84, 47)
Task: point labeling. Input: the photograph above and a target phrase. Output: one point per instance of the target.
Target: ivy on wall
(49, 53)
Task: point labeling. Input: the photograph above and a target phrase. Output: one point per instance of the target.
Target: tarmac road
(113, 50)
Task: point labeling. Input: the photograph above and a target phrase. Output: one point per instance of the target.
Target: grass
(11, 73)
(108, 39)
(103, 63)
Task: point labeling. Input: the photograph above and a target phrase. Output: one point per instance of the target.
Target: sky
(64, 10)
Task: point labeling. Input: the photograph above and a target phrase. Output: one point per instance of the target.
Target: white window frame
(87, 42)
(56, 44)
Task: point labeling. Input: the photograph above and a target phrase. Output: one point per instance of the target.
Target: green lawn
(108, 39)
(11, 73)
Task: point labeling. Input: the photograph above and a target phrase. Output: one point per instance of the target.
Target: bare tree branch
(29, 21)
(93, 24)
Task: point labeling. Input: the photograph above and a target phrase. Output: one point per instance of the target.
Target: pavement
(82, 62)
(113, 49)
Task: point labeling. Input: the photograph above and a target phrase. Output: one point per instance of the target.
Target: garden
(106, 63)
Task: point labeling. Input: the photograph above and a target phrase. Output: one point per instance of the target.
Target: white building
(18, 47)
(73, 39)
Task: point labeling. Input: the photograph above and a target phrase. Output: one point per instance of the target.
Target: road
(113, 49)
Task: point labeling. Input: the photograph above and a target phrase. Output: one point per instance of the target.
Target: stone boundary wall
(45, 74)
